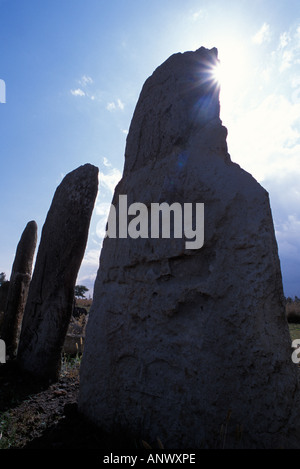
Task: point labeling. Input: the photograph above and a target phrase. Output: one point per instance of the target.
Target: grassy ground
(33, 416)
(294, 331)
(84, 303)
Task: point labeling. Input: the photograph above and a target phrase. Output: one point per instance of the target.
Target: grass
(8, 431)
(13, 427)
(294, 331)
(24, 416)
(70, 364)
(84, 303)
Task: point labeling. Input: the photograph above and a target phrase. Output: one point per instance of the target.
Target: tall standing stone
(191, 345)
(51, 294)
(18, 288)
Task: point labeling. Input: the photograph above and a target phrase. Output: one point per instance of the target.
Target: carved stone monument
(51, 294)
(191, 345)
(18, 288)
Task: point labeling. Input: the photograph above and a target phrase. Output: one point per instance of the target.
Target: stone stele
(51, 294)
(191, 345)
(18, 288)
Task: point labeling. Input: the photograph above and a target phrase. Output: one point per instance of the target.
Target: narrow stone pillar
(51, 294)
(18, 288)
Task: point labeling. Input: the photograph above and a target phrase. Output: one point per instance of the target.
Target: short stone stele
(18, 288)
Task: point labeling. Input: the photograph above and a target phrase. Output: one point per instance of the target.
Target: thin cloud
(110, 180)
(88, 281)
(84, 89)
(113, 106)
(106, 162)
(287, 60)
(284, 40)
(86, 80)
(102, 211)
(91, 258)
(107, 182)
(196, 15)
(288, 52)
(262, 35)
(268, 135)
(88, 270)
(78, 92)
(120, 104)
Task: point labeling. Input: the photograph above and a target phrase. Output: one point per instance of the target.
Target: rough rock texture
(74, 340)
(51, 294)
(18, 288)
(3, 295)
(191, 346)
(73, 344)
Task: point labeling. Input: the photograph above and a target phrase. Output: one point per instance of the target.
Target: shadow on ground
(16, 386)
(41, 415)
(74, 432)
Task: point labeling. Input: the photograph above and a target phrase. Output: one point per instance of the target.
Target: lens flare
(218, 73)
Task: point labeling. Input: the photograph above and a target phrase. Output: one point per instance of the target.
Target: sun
(218, 74)
(225, 75)
(231, 74)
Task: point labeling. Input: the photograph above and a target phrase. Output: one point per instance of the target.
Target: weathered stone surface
(18, 288)
(4, 287)
(3, 298)
(191, 346)
(74, 344)
(51, 294)
(74, 341)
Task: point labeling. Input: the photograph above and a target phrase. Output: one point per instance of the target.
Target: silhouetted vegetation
(80, 291)
(292, 309)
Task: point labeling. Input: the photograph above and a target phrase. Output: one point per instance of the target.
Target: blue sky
(74, 69)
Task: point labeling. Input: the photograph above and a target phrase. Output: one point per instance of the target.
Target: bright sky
(74, 69)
